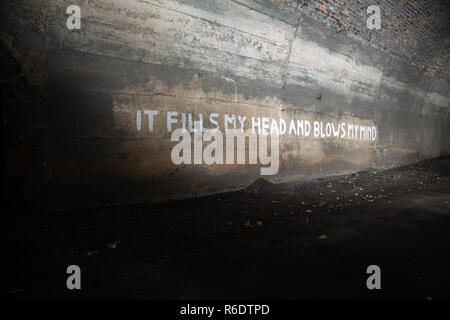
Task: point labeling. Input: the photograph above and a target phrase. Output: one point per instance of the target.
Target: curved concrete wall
(77, 140)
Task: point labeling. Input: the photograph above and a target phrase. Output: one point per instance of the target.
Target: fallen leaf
(91, 253)
(112, 245)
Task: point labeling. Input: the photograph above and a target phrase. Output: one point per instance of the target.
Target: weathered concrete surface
(75, 142)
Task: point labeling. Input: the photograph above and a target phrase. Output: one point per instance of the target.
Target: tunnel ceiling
(415, 30)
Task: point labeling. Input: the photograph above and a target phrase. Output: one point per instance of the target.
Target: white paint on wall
(338, 130)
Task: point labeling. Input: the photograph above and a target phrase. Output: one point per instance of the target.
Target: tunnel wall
(72, 132)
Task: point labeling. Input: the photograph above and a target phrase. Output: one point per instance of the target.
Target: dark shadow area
(286, 241)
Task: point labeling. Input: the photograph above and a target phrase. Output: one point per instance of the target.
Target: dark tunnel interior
(205, 150)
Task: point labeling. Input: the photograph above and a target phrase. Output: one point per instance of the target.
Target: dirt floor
(288, 241)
